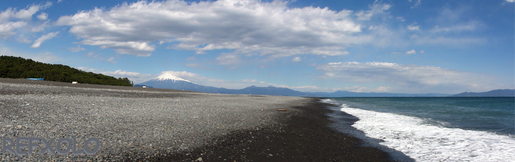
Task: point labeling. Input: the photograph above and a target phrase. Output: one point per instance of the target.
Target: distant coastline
(492, 93)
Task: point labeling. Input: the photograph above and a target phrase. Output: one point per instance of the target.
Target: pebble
(139, 124)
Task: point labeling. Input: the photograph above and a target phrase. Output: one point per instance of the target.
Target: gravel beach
(136, 124)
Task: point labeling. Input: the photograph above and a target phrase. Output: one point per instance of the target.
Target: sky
(397, 46)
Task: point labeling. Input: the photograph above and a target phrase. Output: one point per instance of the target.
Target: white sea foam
(424, 142)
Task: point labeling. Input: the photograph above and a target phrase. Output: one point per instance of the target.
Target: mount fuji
(169, 81)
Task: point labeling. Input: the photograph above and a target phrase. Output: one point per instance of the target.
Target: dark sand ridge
(170, 125)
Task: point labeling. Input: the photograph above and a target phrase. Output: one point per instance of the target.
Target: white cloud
(23, 39)
(97, 56)
(124, 73)
(408, 78)
(455, 28)
(27, 13)
(376, 8)
(92, 54)
(245, 26)
(42, 16)
(416, 4)
(7, 29)
(76, 49)
(111, 60)
(413, 27)
(46, 57)
(396, 53)
(449, 41)
(43, 38)
(373, 27)
(228, 58)
(133, 76)
(400, 18)
(296, 59)
(195, 65)
(411, 51)
(12, 19)
(40, 27)
(250, 80)
(510, 0)
(422, 51)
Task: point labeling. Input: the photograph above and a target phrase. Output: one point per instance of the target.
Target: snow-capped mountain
(169, 76)
(168, 80)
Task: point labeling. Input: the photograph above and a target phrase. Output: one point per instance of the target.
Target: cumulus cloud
(245, 26)
(408, 78)
(76, 49)
(12, 19)
(411, 51)
(296, 59)
(42, 16)
(43, 38)
(27, 13)
(7, 29)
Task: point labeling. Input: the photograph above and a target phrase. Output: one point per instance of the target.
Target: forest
(18, 67)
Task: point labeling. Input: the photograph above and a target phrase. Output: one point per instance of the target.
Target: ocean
(433, 128)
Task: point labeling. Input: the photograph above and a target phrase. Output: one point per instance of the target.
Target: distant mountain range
(169, 81)
(493, 93)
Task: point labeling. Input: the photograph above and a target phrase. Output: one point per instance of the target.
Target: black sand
(303, 136)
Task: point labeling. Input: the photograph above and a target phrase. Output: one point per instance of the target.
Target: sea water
(436, 129)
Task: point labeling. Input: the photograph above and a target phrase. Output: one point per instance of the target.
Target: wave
(423, 141)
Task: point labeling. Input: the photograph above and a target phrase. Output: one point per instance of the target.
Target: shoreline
(301, 136)
(178, 125)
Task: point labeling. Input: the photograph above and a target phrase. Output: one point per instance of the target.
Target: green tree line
(17, 67)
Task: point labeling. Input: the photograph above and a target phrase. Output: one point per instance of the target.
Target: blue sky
(402, 46)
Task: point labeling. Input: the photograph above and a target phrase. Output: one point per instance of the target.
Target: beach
(136, 124)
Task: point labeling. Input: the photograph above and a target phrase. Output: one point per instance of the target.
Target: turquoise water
(437, 129)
